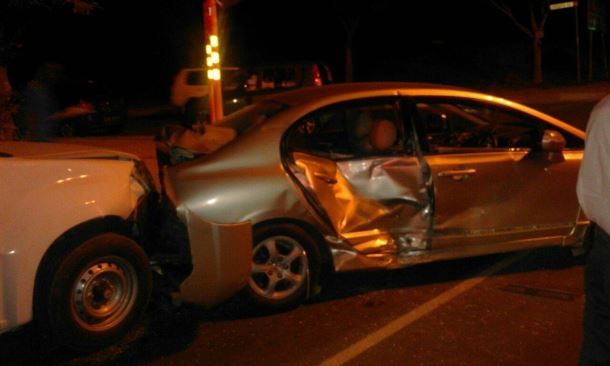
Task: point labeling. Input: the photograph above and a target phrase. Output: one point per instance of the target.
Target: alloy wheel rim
(279, 267)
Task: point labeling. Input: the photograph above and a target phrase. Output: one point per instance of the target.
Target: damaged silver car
(278, 196)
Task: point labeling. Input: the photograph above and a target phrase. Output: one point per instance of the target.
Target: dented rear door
(374, 197)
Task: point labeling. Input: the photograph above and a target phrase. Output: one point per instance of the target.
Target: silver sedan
(281, 194)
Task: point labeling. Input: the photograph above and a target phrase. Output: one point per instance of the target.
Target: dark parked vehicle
(242, 86)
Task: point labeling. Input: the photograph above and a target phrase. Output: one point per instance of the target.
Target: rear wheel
(285, 263)
(96, 292)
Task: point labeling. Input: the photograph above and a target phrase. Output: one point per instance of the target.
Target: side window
(348, 130)
(448, 125)
(323, 133)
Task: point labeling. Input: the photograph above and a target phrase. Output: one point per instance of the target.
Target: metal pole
(210, 22)
(206, 14)
(590, 76)
(577, 43)
(604, 54)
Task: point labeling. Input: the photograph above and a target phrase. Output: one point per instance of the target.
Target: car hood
(45, 150)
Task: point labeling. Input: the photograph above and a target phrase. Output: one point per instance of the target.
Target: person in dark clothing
(40, 109)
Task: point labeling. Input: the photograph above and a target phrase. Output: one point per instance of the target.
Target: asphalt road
(513, 309)
(516, 309)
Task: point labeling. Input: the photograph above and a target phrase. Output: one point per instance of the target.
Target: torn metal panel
(350, 260)
(377, 205)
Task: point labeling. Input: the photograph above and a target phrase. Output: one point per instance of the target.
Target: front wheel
(96, 292)
(285, 264)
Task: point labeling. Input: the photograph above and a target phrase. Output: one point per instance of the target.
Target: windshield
(185, 144)
(251, 116)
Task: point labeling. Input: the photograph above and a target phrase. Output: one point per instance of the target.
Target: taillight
(86, 106)
(317, 78)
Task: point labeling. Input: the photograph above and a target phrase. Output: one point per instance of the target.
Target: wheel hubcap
(104, 293)
(279, 267)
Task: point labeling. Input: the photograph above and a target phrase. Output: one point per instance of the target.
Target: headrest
(383, 134)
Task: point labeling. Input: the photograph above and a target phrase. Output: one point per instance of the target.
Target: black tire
(94, 294)
(291, 271)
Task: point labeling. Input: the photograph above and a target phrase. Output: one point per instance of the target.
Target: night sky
(137, 46)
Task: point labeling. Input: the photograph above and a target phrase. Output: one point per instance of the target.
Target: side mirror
(553, 143)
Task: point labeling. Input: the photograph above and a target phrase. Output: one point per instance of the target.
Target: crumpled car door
(376, 204)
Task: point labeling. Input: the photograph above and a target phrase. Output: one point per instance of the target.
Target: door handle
(457, 174)
(325, 178)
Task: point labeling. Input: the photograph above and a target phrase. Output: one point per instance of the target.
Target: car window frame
(543, 125)
(404, 129)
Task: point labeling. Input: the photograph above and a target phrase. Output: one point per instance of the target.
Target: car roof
(308, 94)
(306, 97)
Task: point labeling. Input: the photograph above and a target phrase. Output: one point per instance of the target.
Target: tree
(349, 16)
(350, 13)
(538, 11)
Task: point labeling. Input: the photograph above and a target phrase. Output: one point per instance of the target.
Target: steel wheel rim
(104, 294)
(279, 267)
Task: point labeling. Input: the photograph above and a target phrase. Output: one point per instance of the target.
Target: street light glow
(216, 74)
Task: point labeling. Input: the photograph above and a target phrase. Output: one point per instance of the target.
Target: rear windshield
(251, 116)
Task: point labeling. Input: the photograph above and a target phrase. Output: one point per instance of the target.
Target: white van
(190, 89)
(242, 86)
